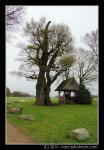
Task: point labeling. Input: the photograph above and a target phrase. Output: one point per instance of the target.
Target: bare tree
(13, 16)
(91, 39)
(85, 67)
(41, 54)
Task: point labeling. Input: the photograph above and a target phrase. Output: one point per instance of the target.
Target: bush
(8, 92)
(20, 94)
(83, 95)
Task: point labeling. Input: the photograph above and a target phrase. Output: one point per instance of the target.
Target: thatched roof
(68, 85)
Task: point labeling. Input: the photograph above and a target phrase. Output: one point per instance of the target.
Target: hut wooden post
(59, 94)
(70, 95)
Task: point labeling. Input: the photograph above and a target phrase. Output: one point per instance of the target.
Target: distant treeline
(94, 96)
(16, 93)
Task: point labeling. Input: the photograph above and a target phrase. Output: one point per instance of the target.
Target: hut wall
(70, 100)
(61, 99)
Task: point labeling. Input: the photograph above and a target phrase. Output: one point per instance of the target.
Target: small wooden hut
(66, 89)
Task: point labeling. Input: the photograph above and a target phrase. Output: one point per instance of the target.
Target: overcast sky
(80, 19)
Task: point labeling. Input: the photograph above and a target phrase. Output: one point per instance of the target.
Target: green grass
(53, 124)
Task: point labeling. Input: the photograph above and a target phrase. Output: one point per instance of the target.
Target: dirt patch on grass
(16, 135)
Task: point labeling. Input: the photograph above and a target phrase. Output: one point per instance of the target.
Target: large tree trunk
(42, 90)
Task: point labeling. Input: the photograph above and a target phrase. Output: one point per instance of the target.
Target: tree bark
(47, 95)
(42, 90)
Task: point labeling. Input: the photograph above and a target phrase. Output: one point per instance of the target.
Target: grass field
(53, 124)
